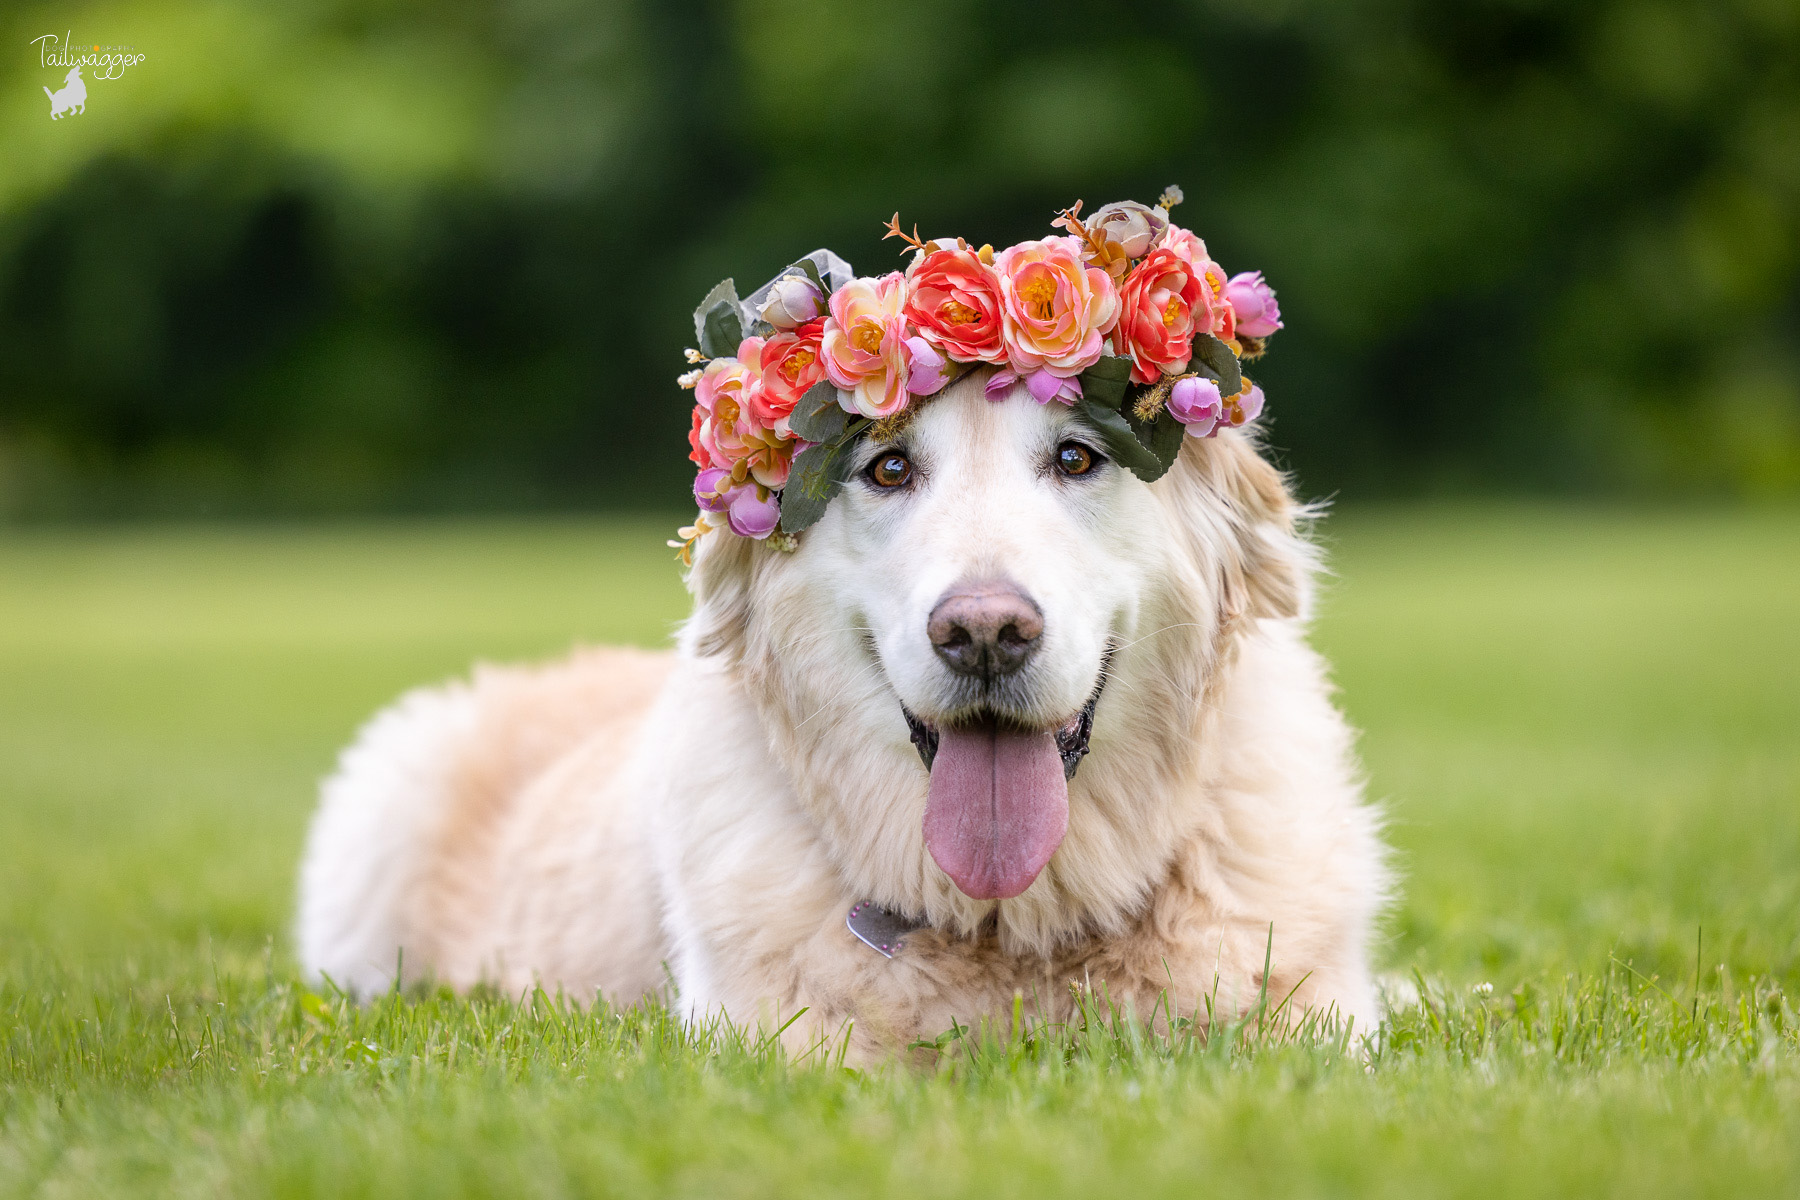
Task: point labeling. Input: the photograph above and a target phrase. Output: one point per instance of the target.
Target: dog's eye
(1073, 458)
(890, 471)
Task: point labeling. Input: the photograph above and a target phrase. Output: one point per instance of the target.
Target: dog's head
(989, 598)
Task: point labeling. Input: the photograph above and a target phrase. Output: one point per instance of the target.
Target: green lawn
(1585, 728)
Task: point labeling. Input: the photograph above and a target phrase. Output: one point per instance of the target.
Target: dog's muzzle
(1071, 738)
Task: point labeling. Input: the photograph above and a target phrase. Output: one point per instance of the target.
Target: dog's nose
(987, 630)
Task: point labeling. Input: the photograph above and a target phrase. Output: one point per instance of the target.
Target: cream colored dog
(895, 716)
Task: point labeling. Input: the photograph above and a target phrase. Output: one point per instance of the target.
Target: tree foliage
(404, 255)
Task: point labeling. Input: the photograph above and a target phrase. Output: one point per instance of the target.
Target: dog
(1029, 720)
(72, 97)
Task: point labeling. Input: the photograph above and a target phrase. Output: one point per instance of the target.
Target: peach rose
(1056, 311)
(864, 345)
(1156, 315)
(954, 302)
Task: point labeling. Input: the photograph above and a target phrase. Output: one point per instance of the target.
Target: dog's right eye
(890, 471)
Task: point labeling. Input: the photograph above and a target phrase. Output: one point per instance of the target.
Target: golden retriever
(1008, 719)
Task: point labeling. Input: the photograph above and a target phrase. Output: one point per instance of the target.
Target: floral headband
(1125, 318)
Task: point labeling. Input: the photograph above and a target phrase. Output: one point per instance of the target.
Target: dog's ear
(721, 581)
(1244, 523)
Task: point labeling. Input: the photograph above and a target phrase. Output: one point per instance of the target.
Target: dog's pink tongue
(998, 809)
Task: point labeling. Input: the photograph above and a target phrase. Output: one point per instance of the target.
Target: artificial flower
(793, 300)
(1131, 226)
(1156, 315)
(864, 346)
(1246, 406)
(1196, 404)
(1057, 311)
(954, 302)
(1253, 300)
(790, 367)
(928, 371)
(1043, 386)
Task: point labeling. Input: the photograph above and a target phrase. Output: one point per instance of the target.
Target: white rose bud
(1131, 226)
(793, 301)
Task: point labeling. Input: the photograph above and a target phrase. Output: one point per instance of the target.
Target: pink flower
(1246, 406)
(1258, 315)
(1043, 386)
(1196, 404)
(927, 371)
(1156, 315)
(1057, 312)
(726, 432)
(864, 345)
(954, 302)
(721, 410)
(790, 367)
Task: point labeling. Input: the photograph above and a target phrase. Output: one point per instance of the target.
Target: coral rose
(1057, 312)
(1208, 317)
(954, 302)
(864, 345)
(1156, 315)
(790, 366)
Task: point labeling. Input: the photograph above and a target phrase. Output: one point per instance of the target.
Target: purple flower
(1196, 403)
(793, 301)
(999, 385)
(929, 371)
(750, 515)
(1258, 315)
(706, 489)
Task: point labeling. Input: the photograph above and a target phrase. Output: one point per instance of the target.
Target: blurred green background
(403, 256)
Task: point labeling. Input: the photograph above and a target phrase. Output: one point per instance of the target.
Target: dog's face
(994, 554)
(991, 589)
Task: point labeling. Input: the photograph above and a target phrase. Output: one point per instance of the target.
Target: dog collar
(878, 928)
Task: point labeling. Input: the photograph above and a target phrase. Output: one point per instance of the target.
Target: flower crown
(1124, 317)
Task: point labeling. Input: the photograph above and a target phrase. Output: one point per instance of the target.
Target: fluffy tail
(50, 94)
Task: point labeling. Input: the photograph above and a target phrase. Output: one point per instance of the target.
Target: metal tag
(878, 929)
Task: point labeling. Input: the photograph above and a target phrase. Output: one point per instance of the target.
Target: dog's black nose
(985, 629)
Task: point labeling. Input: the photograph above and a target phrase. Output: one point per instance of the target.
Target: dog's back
(404, 847)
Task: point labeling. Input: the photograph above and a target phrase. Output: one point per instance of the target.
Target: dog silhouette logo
(72, 97)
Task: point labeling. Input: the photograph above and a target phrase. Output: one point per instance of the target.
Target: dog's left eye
(1073, 458)
(890, 471)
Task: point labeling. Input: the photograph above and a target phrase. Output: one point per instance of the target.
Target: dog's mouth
(999, 801)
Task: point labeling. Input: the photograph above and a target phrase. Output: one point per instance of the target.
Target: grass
(1582, 726)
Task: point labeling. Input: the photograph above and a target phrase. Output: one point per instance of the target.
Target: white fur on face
(988, 505)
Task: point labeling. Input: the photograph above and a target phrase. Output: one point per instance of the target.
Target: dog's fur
(712, 814)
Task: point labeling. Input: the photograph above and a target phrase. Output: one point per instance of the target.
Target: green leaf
(1105, 382)
(723, 295)
(818, 417)
(817, 474)
(724, 329)
(1161, 435)
(1122, 443)
(812, 272)
(1214, 358)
